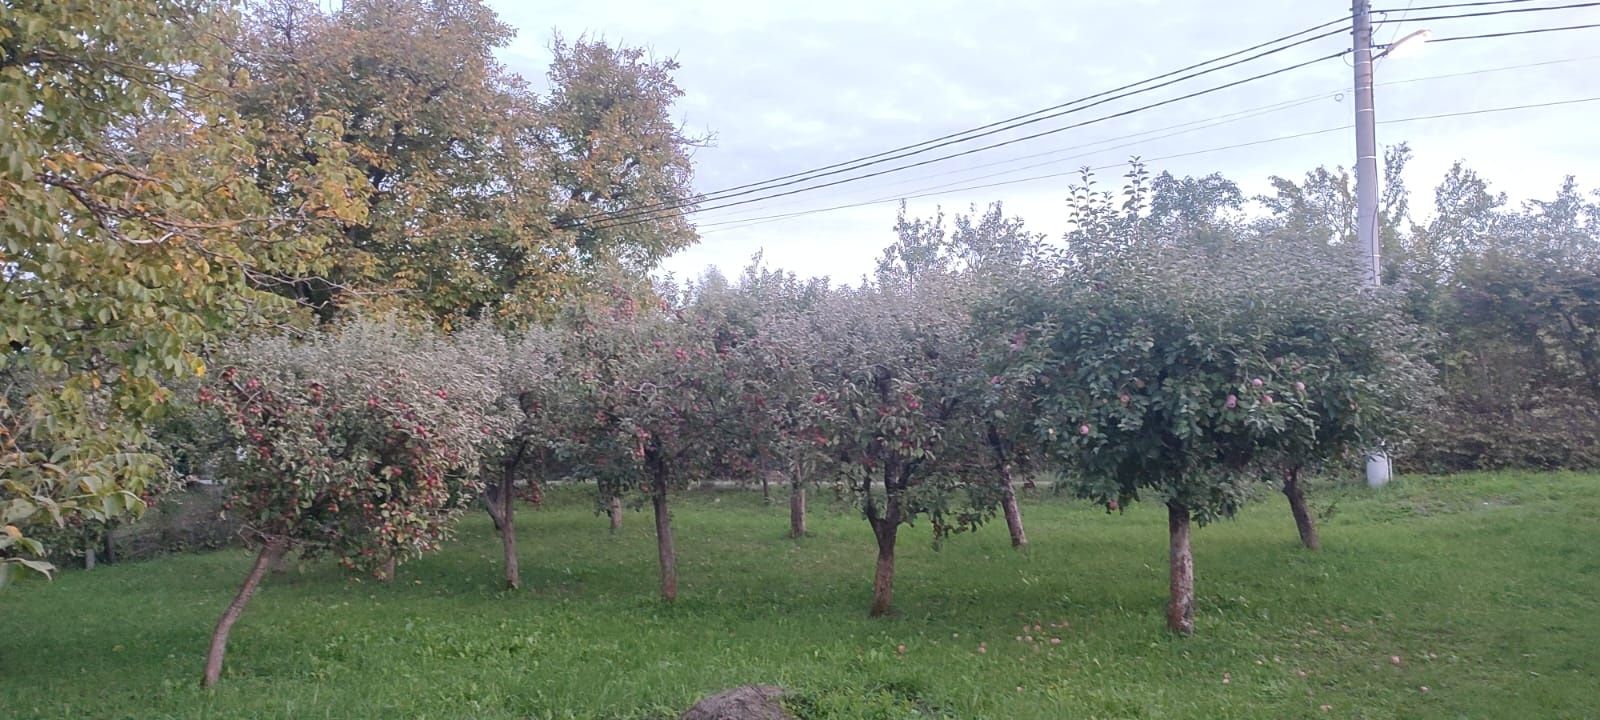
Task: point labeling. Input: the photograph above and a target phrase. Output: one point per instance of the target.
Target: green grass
(1487, 587)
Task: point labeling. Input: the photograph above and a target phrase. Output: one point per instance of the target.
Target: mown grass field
(1486, 587)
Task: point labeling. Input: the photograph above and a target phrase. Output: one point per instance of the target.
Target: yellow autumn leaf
(13, 532)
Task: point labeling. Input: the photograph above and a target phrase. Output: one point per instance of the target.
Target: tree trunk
(269, 555)
(665, 550)
(491, 504)
(111, 546)
(1008, 492)
(88, 548)
(797, 509)
(1297, 506)
(508, 531)
(1180, 607)
(766, 488)
(883, 578)
(386, 574)
(1008, 500)
(614, 510)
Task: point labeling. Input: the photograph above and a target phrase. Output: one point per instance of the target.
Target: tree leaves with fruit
(360, 442)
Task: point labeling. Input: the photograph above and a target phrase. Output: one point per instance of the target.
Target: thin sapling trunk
(265, 559)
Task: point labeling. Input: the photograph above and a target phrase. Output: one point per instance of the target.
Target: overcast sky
(789, 86)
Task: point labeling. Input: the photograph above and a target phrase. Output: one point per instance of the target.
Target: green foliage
(1513, 292)
(899, 405)
(362, 443)
(1149, 377)
(475, 194)
(132, 236)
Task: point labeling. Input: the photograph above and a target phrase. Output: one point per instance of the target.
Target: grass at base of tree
(1485, 587)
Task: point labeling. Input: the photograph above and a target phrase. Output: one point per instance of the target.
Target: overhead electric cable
(999, 126)
(1234, 146)
(628, 219)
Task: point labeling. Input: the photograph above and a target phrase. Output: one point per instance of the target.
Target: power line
(1508, 11)
(1221, 120)
(644, 215)
(623, 220)
(1401, 21)
(1181, 128)
(1515, 32)
(985, 130)
(1453, 6)
(1235, 146)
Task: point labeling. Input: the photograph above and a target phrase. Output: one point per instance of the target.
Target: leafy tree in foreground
(1144, 382)
(973, 261)
(130, 236)
(361, 444)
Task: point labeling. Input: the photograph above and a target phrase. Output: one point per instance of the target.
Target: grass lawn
(1486, 587)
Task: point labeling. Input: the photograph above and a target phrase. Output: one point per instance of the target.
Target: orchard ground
(1465, 596)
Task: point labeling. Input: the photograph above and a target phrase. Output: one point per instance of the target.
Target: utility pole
(1367, 184)
(1366, 145)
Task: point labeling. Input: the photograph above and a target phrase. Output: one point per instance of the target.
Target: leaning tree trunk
(797, 508)
(1297, 506)
(266, 558)
(1008, 501)
(1008, 492)
(1180, 606)
(666, 552)
(508, 530)
(614, 512)
(491, 505)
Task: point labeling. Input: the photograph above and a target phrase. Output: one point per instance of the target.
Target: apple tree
(649, 390)
(1145, 381)
(761, 328)
(1351, 360)
(360, 443)
(896, 416)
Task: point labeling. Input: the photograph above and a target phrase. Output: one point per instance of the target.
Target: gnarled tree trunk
(1297, 506)
(1180, 605)
(266, 558)
(111, 545)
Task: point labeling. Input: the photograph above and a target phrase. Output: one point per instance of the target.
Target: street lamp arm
(1412, 39)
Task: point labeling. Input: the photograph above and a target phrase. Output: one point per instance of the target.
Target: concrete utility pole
(1366, 144)
(1367, 184)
